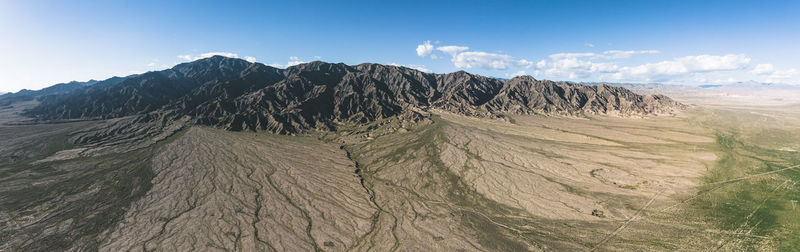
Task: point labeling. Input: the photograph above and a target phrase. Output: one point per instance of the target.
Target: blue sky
(683, 42)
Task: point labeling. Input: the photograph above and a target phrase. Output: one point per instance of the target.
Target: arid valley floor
(713, 178)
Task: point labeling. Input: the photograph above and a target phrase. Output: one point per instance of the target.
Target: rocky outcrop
(526, 95)
(238, 95)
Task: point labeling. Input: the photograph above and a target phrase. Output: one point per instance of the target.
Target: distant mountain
(238, 95)
(57, 89)
(754, 85)
(742, 85)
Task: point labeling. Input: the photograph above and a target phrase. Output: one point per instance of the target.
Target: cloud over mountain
(424, 49)
(191, 57)
(612, 65)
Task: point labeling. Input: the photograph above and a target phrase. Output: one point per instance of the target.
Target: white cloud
(660, 68)
(683, 66)
(518, 73)
(619, 54)
(609, 65)
(541, 64)
(782, 75)
(708, 63)
(580, 65)
(525, 63)
(416, 67)
(226, 54)
(715, 81)
(462, 58)
(293, 60)
(425, 49)
(488, 60)
(598, 65)
(189, 57)
(570, 55)
(451, 50)
(610, 54)
(574, 67)
(763, 69)
(774, 75)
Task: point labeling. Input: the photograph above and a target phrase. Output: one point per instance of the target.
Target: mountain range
(235, 94)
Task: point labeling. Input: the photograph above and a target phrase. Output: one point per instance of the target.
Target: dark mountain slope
(526, 95)
(462, 92)
(238, 95)
(318, 95)
(57, 89)
(138, 94)
(314, 95)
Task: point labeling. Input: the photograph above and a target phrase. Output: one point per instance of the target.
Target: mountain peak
(214, 65)
(523, 78)
(318, 66)
(217, 60)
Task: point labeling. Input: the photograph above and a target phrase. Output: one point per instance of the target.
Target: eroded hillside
(236, 191)
(448, 182)
(536, 184)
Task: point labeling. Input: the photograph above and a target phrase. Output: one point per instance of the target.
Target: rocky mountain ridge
(238, 95)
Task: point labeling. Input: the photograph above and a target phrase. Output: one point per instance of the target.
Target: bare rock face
(238, 95)
(526, 95)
